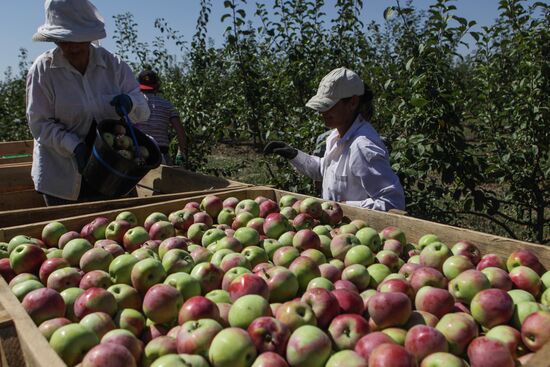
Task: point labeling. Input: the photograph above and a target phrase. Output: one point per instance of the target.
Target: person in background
(163, 115)
(355, 168)
(69, 89)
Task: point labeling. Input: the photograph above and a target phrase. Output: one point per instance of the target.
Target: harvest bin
(161, 184)
(37, 352)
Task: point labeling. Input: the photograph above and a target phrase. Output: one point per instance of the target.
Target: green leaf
(419, 101)
(224, 17)
(409, 63)
(388, 13)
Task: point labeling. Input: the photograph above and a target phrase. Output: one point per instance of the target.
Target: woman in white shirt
(69, 89)
(355, 168)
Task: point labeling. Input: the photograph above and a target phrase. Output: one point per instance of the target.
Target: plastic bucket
(111, 174)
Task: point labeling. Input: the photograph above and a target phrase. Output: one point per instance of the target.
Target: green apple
(74, 249)
(69, 296)
(131, 320)
(255, 255)
(72, 342)
(359, 255)
(369, 237)
(377, 272)
(187, 285)
(126, 296)
(121, 267)
(426, 239)
(232, 347)
(308, 346)
(52, 232)
(147, 273)
(247, 236)
(21, 289)
(246, 309)
(177, 260)
(320, 282)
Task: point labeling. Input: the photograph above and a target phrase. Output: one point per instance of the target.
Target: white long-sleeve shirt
(61, 105)
(355, 169)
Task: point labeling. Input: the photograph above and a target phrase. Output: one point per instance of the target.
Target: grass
(239, 163)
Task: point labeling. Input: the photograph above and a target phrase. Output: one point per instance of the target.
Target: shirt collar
(58, 61)
(349, 134)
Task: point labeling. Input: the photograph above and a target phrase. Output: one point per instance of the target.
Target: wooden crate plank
(26, 159)
(12, 201)
(176, 179)
(16, 147)
(541, 358)
(41, 213)
(15, 177)
(36, 350)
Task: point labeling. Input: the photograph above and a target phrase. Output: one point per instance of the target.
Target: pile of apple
(123, 144)
(258, 283)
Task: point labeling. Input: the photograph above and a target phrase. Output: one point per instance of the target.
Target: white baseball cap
(70, 21)
(338, 84)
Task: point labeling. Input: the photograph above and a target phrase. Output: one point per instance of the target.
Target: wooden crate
(161, 184)
(16, 151)
(413, 228)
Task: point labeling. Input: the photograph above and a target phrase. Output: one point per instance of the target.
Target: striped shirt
(159, 122)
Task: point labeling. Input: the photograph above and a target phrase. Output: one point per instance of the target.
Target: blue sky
(22, 18)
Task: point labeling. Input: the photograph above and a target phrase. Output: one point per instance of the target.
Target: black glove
(122, 101)
(280, 148)
(81, 155)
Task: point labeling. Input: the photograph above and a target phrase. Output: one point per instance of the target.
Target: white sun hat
(70, 21)
(338, 84)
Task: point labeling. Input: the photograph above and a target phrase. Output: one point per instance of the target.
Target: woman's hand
(280, 148)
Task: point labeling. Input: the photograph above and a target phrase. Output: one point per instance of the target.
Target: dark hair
(365, 107)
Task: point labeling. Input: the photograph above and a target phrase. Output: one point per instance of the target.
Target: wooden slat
(41, 213)
(16, 147)
(25, 159)
(35, 348)
(541, 358)
(25, 199)
(15, 177)
(176, 179)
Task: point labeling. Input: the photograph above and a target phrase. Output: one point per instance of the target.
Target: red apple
(196, 308)
(370, 341)
(269, 335)
(43, 304)
(394, 355)
(422, 340)
(487, 352)
(535, 331)
(389, 309)
(346, 329)
(349, 301)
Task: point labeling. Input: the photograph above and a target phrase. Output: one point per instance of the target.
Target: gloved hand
(280, 148)
(122, 101)
(81, 156)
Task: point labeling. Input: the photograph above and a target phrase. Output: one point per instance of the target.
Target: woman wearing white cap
(69, 88)
(355, 168)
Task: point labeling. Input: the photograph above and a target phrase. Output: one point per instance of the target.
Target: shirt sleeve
(40, 112)
(130, 86)
(173, 111)
(308, 165)
(382, 187)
